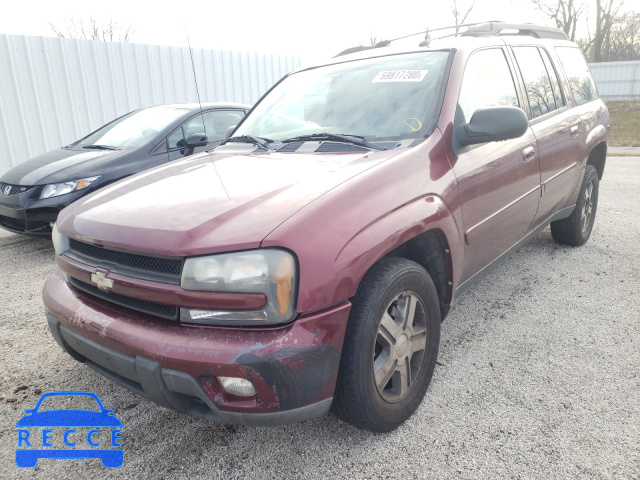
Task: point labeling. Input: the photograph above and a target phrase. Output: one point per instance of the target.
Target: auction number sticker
(400, 76)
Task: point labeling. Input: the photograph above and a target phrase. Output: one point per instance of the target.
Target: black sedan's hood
(59, 166)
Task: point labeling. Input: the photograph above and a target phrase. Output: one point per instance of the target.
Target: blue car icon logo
(40, 432)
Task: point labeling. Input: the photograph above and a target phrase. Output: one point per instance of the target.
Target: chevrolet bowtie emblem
(101, 280)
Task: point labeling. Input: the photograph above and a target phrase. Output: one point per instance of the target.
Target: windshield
(134, 129)
(384, 98)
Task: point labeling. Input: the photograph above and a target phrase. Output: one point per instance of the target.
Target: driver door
(498, 182)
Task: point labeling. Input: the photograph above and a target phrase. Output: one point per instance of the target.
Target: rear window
(580, 80)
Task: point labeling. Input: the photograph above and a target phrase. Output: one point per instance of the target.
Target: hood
(209, 203)
(58, 166)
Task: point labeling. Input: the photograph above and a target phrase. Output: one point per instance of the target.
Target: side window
(553, 75)
(580, 80)
(487, 82)
(217, 122)
(176, 139)
(195, 125)
(539, 90)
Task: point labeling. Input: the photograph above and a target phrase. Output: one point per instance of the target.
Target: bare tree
(92, 29)
(622, 42)
(564, 12)
(606, 13)
(459, 17)
(614, 36)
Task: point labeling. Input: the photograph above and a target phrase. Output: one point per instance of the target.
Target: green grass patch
(625, 123)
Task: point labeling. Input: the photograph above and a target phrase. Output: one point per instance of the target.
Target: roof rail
(491, 29)
(385, 43)
(484, 29)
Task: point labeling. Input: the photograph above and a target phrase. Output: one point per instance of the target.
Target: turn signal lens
(284, 283)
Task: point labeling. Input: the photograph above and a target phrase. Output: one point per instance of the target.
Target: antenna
(195, 79)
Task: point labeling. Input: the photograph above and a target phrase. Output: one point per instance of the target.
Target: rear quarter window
(580, 81)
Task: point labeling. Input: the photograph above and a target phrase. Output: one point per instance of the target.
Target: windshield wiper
(336, 137)
(101, 147)
(259, 141)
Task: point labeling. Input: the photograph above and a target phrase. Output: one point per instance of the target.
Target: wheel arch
(433, 243)
(431, 251)
(598, 158)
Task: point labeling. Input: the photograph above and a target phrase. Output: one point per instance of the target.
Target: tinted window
(214, 124)
(487, 82)
(176, 139)
(195, 125)
(553, 75)
(580, 80)
(534, 73)
(217, 122)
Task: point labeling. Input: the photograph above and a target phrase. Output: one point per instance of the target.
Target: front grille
(7, 189)
(168, 312)
(12, 223)
(168, 270)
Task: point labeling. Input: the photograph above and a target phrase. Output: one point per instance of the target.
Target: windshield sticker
(400, 76)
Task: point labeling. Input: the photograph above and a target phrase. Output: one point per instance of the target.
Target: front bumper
(23, 214)
(293, 368)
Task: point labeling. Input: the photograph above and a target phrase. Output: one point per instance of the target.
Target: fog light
(237, 386)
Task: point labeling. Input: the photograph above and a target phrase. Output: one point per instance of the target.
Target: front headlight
(269, 271)
(55, 189)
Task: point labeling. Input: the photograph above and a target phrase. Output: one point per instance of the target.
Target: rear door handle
(575, 130)
(528, 154)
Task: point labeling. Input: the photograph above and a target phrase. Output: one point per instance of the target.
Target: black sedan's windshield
(377, 99)
(132, 130)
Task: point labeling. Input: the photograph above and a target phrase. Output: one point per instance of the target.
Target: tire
(576, 229)
(387, 361)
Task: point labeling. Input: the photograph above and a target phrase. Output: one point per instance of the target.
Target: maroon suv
(309, 259)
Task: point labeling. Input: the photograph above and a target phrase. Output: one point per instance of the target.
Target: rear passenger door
(557, 128)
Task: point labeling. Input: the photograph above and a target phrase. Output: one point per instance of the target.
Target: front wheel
(390, 348)
(576, 229)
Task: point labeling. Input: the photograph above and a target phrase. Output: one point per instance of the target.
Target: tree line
(614, 37)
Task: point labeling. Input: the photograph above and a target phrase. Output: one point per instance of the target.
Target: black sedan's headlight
(56, 189)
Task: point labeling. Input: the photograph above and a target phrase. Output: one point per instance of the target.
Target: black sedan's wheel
(390, 348)
(576, 229)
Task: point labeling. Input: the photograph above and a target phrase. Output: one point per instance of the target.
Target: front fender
(338, 237)
(330, 271)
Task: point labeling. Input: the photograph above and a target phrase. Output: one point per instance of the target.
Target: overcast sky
(314, 29)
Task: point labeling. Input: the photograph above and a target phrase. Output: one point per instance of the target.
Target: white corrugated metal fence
(617, 80)
(54, 91)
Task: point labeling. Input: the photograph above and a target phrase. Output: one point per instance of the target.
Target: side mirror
(490, 124)
(230, 131)
(197, 140)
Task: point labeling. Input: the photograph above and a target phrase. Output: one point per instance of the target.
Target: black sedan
(32, 193)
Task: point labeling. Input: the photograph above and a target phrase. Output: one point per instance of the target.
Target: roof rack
(485, 29)
(491, 29)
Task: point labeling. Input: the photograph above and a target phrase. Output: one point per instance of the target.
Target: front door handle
(528, 154)
(575, 130)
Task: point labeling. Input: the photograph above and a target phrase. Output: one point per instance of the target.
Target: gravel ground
(538, 377)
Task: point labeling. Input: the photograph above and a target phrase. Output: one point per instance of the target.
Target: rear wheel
(390, 348)
(576, 229)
